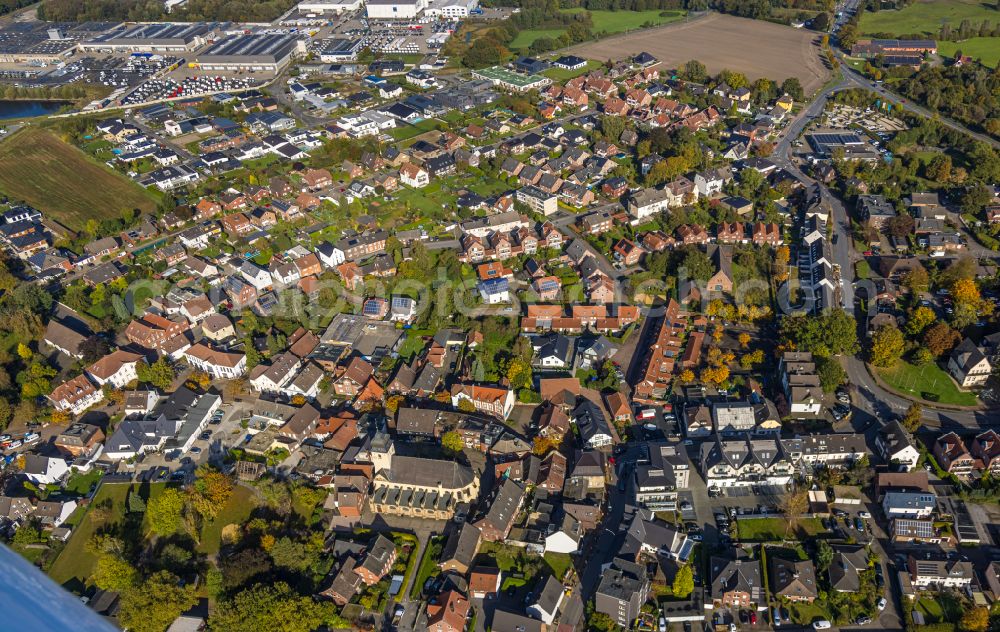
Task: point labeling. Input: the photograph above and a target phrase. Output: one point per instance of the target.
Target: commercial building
(256, 53)
(160, 37)
(512, 81)
(394, 9)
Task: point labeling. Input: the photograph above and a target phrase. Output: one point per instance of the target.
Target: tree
(901, 226)
(887, 345)
(687, 376)
(696, 265)
(519, 373)
(683, 582)
(160, 374)
(164, 511)
(922, 356)
(940, 339)
(154, 605)
(975, 620)
(917, 280)
(210, 491)
(920, 319)
(824, 555)
(94, 348)
(265, 608)
(793, 505)
(452, 442)
(939, 168)
(831, 374)
(113, 572)
(695, 71)
(913, 416)
(612, 127)
(744, 339)
(793, 88)
(466, 406)
(24, 351)
(541, 445)
(832, 333)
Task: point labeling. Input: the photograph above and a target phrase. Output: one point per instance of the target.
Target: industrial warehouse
(166, 37)
(254, 53)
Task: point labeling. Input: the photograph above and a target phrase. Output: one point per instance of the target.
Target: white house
(272, 378)
(566, 539)
(329, 255)
(45, 470)
(413, 176)
(912, 505)
(969, 365)
(402, 309)
(218, 364)
(546, 603)
(256, 276)
(116, 369)
(897, 446)
(494, 291)
(76, 395)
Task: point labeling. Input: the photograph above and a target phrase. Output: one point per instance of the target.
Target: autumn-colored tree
(542, 445)
(452, 442)
(920, 319)
(60, 417)
(887, 345)
(975, 620)
(913, 416)
(940, 339)
(793, 505)
(744, 340)
(781, 257)
(298, 400)
(917, 280)
(715, 375)
(466, 406)
(393, 403)
(210, 491)
(687, 376)
(965, 290)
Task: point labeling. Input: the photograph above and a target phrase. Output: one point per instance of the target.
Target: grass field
(236, 511)
(927, 16)
(773, 529)
(928, 382)
(559, 563)
(75, 564)
(563, 74)
(985, 49)
(526, 38)
(63, 182)
(609, 22)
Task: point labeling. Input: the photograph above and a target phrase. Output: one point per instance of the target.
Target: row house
(152, 330)
(663, 355)
(744, 462)
(218, 364)
(76, 395)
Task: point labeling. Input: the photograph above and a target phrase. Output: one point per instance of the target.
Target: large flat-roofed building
(329, 6)
(160, 37)
(337, 49)
(870, 49)
(268, 52)
(394, 9)
(508, 80)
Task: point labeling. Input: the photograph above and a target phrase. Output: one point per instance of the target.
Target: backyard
(929, 382)
(940, 608)
(774, 529)
(75, 564)
(235, 511)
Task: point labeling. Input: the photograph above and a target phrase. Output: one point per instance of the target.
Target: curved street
(871, 399)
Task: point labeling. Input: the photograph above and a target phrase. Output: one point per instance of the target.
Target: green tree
(683, 582)
(267, 608)
(160, 374)
(612, 127)
(913, 417)
(452, 442)
(164, 511)
(831, 374)
(156, 603)
(113, 572)
(824, 555)
(887, 345)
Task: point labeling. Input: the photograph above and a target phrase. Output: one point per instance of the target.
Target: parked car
(864, 514)
(822, 624)
(882, 603)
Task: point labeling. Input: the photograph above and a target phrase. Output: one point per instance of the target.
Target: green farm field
(985, 49)
(926, 17)
(609, 22)
(69, 186)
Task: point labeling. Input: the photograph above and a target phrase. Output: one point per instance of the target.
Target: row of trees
(152, 10)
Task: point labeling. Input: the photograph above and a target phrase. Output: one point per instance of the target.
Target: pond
(12, 109)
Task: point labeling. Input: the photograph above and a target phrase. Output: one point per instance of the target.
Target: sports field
(925, 17)
(928, 382)
(753, 47)
(67, 185)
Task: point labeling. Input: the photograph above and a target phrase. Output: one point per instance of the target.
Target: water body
(12, 109)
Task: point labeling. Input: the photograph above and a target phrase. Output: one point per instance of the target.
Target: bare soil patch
(753, 47)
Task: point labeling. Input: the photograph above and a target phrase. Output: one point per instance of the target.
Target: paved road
(871, 398)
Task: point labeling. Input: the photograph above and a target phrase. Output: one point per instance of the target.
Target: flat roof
(269, 47)
(496, 73)
(160, 33)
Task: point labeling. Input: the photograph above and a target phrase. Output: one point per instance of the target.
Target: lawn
(806, 613)
(563, 74)
(428, 565)
(407, 131)
(80, 484)
(612, 22)
(69, 186)
(985, 49)
(560, 563)
(773, 529)
(75, 564)
(526, 38)
(926, 17)
(928, 382)
(236, 511)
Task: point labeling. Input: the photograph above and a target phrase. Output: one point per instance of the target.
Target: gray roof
(738, 573)
(551, 594)
(462, 545)
(412, 470)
